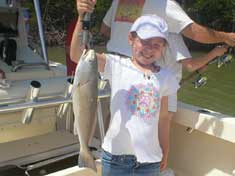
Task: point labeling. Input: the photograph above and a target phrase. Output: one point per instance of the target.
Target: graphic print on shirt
(127, 12)
(143, 101)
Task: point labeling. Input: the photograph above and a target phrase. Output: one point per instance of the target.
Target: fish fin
(86, 160)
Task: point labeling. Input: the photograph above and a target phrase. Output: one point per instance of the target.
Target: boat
(36, 121)
(201, 144)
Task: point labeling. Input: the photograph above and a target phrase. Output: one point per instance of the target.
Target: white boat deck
(37, 148)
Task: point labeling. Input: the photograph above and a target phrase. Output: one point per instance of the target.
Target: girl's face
(147, 51)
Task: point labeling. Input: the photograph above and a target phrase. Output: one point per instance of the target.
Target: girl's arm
(77, 47)
(164, 131)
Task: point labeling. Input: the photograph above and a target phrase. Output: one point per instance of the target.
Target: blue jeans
(127, 165)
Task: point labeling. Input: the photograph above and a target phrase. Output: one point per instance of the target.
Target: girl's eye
(156, 45)
(143, 42)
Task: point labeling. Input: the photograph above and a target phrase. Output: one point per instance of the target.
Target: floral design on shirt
(143, 100)
(127, 12)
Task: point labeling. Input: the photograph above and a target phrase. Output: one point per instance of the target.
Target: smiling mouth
(146, 56)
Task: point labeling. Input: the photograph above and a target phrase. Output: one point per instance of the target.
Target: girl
(136, 141)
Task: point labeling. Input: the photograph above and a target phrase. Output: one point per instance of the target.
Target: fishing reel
(221, 61)
(225, 59)
(200, 80)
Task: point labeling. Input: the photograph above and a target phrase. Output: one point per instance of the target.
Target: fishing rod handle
(86, 27)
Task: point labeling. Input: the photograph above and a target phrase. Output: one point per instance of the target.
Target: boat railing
(20, 65)
(9, 102)
(33, 101)
(38, 104)
(11, 105)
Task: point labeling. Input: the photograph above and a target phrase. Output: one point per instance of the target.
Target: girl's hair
(164, 54)
(133, 34)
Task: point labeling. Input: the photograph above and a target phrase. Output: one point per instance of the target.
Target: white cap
(150, 26)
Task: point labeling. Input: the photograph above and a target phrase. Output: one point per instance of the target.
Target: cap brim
(148, 35)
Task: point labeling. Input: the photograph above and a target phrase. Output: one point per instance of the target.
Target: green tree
(218, 14)
(57, 14)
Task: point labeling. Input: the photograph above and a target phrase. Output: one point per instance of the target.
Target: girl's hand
(85, 6)
(163, 163)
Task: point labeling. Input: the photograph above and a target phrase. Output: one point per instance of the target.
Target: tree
(218, 14)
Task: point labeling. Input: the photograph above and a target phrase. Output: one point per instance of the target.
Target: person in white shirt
(177, 20)
(137, 139)
(139, 98)
(122, 13)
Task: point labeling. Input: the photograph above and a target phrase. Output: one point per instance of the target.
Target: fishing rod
(221, 61)
(86, 24)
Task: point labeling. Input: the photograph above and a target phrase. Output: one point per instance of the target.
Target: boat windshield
(8, 23)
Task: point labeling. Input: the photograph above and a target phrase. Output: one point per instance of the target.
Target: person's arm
(206, 35)
(105, 31)
(192, 64)
(164, 131)
(77, 48)
(179, 22)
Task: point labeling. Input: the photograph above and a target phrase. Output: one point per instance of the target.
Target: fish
(84, 100)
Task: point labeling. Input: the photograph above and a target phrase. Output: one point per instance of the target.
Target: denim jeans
(127, 165)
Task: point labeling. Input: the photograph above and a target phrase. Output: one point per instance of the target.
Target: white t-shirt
(135, 108)
(123, 13)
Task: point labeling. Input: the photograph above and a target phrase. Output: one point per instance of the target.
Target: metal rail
(38, 104)
(40, 28)
(44, 103)
(19, 66)
(10, 101)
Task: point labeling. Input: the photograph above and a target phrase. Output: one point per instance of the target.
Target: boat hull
(201, 144)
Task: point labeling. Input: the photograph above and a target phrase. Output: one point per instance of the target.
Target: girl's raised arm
(77, 47)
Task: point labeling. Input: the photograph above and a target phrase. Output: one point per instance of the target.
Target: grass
(217, 95)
